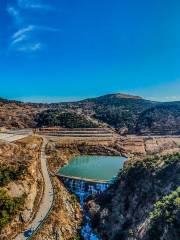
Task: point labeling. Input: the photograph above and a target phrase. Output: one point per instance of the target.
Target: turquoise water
(93, 167)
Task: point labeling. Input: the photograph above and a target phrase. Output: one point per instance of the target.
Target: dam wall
(84, 188)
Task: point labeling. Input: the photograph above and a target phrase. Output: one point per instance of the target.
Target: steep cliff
(130, 208)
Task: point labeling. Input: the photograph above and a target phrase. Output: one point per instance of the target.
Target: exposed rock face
(123, 211)
(141, 146)
(22, 159)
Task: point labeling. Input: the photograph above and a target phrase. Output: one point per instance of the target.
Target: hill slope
(126, 113)
(161, 119)
(117, 110)
(14, 114)
(147, 208)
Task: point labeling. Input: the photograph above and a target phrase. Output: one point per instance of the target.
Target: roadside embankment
(22, 181)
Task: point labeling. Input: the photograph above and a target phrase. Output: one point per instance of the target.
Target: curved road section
(46, 203)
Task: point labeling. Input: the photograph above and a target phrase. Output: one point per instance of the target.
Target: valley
(65, 178)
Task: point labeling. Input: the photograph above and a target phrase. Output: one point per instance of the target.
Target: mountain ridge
(127, 114)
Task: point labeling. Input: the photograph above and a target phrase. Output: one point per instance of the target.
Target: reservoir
(98, 168)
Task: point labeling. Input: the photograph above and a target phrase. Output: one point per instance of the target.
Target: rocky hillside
(127, 114)
(15, 114)
(143, 203)
(21, 184)
(117, 110)
(161, 119)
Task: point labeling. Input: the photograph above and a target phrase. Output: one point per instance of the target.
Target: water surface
(93, 167)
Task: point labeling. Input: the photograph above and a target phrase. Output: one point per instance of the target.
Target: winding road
(46, 202)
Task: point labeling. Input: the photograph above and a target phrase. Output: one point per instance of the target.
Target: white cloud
(31, 28)
(23, 31)
(19, 39)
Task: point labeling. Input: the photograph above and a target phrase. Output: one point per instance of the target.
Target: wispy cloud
(33, 4)
(19, 39)
(33, 28)
(27, 37)
(23, 31)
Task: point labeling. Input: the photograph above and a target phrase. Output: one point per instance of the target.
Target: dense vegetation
(63, 119)
(166, 216)
(9, 207)
(117, 110)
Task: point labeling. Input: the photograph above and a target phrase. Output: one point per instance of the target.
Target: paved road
(46, 203)
(10, 137)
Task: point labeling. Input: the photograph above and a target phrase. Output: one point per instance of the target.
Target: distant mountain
(127, 114)
(118, 110)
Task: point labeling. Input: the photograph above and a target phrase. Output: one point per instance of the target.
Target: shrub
(9, 207)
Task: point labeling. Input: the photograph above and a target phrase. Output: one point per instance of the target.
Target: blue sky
(53, 50)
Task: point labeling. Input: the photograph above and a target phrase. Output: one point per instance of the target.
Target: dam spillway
(83, 188)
